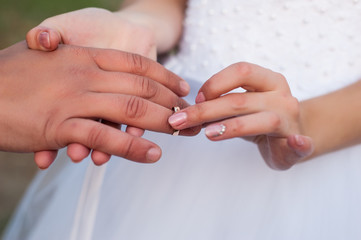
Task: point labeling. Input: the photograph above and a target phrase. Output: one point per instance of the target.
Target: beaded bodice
(315, 44)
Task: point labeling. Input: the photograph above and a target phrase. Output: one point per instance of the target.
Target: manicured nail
(299, 140)
(184, 86)
(44, 40)
(153, 155)
(215, 130)
(200, 97)
(177, 119)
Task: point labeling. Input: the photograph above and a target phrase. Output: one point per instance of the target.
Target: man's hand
(92, 27)
(49, 100)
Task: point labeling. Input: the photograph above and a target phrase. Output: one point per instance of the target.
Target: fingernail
(200, 97)
(44, 40)
(153, 155)
(177, 119)
(299, 140)
(215, 130)
(184, 86)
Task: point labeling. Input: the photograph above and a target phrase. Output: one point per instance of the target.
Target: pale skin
(50, 100)
(286, 131)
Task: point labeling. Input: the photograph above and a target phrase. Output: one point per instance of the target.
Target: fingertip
(44, 159)
(178, 120)
(153, 155)
(302, 145)
(184, 87)
(215, 131)
(55, 39)
(42, 165)
(100, 158)
(200, 98)
(42, 38)
(77, 152)
(31, 38)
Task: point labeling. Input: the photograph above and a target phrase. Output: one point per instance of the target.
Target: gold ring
(176, 109)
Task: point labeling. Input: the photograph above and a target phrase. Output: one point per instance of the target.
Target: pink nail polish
(215, 130)
(177, 119)
(200, 98)
(44, 40)
(299, 140)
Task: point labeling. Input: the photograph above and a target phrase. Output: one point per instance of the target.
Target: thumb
(43, 38)
(302, 145)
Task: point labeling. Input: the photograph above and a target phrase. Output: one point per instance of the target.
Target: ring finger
(250, 125)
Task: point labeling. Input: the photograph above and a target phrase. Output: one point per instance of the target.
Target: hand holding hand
(266, 113)
(91, 27)
(50, 100)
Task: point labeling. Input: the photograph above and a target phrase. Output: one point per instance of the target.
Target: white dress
(207, 190)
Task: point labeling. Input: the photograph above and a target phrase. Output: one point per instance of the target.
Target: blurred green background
(16, 18)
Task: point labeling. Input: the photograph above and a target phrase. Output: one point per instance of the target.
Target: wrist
(136, 33)
(163, 22)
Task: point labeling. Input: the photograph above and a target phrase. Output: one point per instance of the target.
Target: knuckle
(52, 128)
(127, 148)
(274, 121)
(79, 51)
(281, 77)
(293, 105)
(81, 77)
(79, 72)
(289, 104)
(238, 102)
(244, 69)
(76, 71)
(238, 126)
(138, 64)
(282, 82)
(197, 113)
(147, 87)
(96, 137)
(210, 87)
(135, 108)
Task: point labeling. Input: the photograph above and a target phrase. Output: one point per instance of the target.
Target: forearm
(333, 121)
(163, 17)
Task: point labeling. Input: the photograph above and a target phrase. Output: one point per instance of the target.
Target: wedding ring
(176, 109)
(223, 129)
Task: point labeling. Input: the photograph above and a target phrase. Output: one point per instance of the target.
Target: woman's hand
(266, 113)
